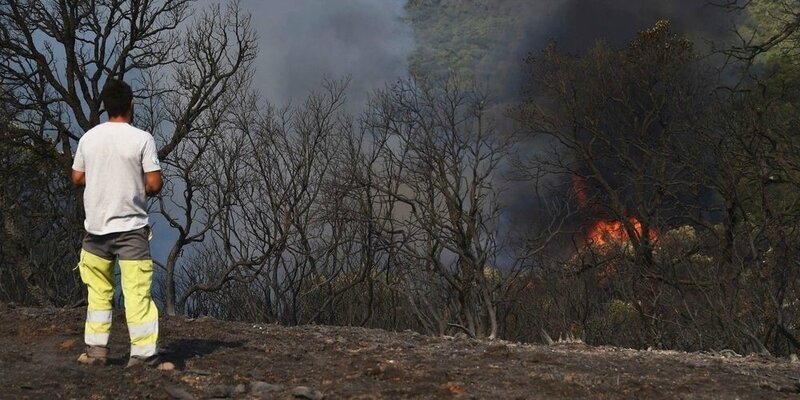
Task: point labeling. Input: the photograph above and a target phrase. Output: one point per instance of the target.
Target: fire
(604, 232)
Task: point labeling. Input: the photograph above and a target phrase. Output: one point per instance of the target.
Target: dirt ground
(38, 348)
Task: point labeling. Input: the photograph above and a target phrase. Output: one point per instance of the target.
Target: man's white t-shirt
(115, 156)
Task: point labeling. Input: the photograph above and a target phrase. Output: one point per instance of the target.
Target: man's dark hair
(117, 97)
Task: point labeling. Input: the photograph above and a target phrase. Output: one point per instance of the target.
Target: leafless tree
(439, 156)
(57, 55)
(269, 181)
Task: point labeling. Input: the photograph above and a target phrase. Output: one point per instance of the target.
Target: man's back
(118, 166)
(115, 156)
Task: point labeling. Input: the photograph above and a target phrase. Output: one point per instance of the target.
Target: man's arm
(78, 168)
(152, 182)
(151, 168)
(78, 179)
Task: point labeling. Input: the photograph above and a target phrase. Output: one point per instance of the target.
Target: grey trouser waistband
(131, 245)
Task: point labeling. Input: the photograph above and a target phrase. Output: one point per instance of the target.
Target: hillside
(479, 40)
(215, 358)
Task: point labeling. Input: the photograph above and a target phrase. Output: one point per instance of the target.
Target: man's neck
(119, 119)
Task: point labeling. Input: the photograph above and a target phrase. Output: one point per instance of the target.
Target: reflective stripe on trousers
(140, 310)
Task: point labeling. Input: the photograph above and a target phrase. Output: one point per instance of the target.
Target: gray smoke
(371, 41)
(489, 40)
(576, 25)
(580, 23)
(303, 41)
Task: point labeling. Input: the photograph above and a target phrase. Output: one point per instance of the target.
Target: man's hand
(152, 182)
(78, 178)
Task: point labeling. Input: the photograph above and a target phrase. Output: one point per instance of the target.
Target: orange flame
(605, 232)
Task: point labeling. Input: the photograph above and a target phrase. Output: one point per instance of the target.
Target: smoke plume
(303, 41)
(578, 24)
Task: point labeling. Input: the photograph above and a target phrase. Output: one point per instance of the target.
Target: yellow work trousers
(140, 310)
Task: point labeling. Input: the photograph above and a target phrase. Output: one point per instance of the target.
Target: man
(118, 165)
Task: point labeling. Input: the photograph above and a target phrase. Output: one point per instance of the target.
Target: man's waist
(115, 225)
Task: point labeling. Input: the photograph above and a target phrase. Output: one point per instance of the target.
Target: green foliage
(40, 227)
(469, 38)
(769, 30)
(768, 23)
